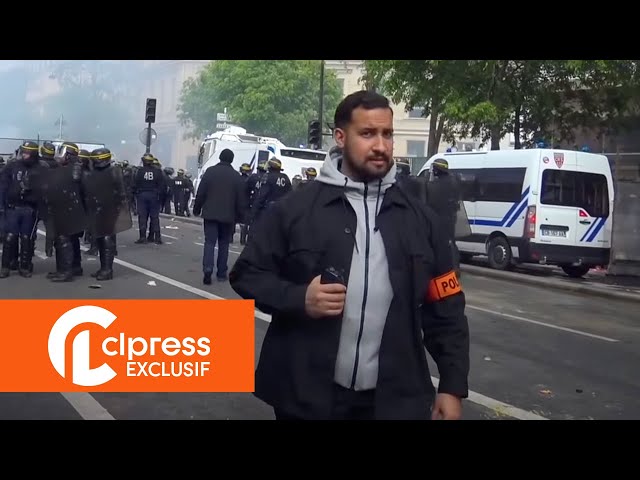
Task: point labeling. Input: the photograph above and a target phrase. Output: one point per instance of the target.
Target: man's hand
(446, 407)
(324, 300)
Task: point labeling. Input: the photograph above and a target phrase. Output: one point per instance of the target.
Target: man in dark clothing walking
(358, 279)
(221, 199)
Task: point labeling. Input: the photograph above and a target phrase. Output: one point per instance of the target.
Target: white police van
(542, 206)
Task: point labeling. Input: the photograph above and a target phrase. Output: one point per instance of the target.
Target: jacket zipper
(366, 288)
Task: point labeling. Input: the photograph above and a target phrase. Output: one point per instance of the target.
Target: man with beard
(107, 209)
(358, 280)
(66, 213)
(20, 199)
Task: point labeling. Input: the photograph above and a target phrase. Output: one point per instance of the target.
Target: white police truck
(543, 206)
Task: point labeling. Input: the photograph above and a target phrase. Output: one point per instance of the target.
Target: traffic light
(150, 115)
(314, 134)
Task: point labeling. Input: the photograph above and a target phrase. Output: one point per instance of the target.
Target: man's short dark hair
(366, 99)
(226, 156)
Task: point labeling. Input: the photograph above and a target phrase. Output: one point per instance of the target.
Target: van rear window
(576, 189)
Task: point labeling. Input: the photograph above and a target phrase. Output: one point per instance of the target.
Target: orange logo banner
(127, 346)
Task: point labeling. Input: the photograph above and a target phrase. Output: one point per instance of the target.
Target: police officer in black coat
(149, 184)
(274, 185)
(20, 199)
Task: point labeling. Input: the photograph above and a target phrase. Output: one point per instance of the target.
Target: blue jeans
(220, 233)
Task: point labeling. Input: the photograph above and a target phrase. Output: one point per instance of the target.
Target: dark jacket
(312, 229)
(221, 195)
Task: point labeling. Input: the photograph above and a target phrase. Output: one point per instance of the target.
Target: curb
(549, 282)
(500, 274)
(173, 218)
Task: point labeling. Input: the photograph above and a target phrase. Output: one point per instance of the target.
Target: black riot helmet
(29, 152)
(440, 167)
(47, 151)
(85, 158)
(101, 158)
(147, 159)
(262, 167)
(67, 153)
(245, 168)
(168, 171)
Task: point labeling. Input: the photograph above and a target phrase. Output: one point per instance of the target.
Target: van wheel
(499, 253)
(576, 271)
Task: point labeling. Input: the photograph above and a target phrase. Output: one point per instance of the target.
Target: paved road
(535, 352)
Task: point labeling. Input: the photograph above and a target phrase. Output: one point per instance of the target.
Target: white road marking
(543, 324)
(169, 236)
(87, 406)
(92, 413)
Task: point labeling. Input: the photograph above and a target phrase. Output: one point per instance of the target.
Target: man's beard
(366, 172)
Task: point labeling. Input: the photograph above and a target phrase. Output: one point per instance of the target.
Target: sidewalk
(593, 284)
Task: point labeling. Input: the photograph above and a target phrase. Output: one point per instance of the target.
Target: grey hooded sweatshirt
(369, 292)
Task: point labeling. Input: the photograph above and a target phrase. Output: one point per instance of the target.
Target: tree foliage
(533, 99)
(266, 97)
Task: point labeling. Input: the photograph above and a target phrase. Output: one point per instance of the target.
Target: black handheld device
(331, 275)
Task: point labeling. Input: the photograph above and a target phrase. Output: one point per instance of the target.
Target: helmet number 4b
(148, 175)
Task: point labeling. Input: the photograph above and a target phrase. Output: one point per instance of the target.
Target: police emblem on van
(559, 159)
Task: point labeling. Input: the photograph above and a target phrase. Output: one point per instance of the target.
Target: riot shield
(106, 201)
(62, 194)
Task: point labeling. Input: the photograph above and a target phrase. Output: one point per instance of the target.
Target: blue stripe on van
(586, 234)
(509, 217)
(596, 230)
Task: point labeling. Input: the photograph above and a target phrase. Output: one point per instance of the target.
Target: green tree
(275, 98)
(534, 99)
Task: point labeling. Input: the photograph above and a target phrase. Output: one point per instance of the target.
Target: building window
(415, 148)
(416, 113)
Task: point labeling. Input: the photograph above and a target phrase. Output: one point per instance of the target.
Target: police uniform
(148, 185)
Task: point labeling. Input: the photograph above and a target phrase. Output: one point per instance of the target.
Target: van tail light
(530, 223)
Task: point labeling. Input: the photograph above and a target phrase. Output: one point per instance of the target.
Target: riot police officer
(177, 192)
(65, 212)
(166, 194)
(20, 199)
(127, 177)
(148, 185)
(188, 192)
(274, 185)
(310, 174)
(107, 209)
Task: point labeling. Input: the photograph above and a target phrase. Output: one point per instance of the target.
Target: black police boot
(77, 257)
(99, 242)
(107, 251)
(26, 254)
(143, 237)
(9, 252)
(157, 238)
(50, 275)
(65, 272)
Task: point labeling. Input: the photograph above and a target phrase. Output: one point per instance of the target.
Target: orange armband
(442, 287)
